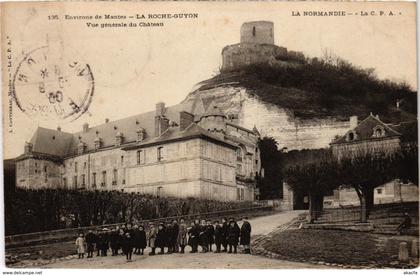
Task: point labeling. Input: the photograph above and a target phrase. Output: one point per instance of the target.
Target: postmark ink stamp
(52, 83)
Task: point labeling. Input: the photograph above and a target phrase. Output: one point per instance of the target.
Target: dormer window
(141, 135)
(98, 143)
(378, 131)
(351, 136)
(119, 138)
(81, 148)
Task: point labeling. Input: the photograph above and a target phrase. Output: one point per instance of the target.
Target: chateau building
(181, 151)
(369, 136)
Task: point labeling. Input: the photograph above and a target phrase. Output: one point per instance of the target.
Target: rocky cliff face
(248, 111)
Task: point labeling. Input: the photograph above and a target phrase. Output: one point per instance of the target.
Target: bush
(48, 209)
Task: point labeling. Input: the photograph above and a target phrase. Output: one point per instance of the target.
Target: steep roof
(62, 144)
(175, 134)
(127, 127)
(365, 128)
(51, 142)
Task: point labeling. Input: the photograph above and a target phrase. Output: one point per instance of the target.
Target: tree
(312, 172)
(271, 184)
(365, 172)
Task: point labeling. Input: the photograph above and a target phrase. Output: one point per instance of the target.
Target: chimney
(85, 127)
(59, 128)
(160, 109)
(28, 147)
(185, 120)
(161, 124)
(353, 122)
(106, 120)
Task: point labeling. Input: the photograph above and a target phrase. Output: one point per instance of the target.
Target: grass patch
(334, 246)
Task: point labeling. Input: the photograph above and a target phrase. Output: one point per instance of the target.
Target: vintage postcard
(235, 134)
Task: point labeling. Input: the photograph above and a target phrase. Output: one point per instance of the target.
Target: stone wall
(37, 174)
(259, 32)
(239, 55)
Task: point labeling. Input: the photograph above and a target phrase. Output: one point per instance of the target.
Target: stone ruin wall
(259, 32)
(243, 54)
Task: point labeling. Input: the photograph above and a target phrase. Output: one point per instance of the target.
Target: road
(260, 225)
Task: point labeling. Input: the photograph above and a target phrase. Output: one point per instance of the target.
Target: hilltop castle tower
(257, 32)
(257, 46)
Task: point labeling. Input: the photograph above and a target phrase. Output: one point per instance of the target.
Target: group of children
(225, 235)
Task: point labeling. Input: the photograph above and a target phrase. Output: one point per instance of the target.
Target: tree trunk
(362, 199)
(312, 207)
(369, 195)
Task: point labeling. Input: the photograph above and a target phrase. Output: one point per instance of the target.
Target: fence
(64, 234)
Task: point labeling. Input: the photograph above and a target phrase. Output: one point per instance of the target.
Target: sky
(134, 68)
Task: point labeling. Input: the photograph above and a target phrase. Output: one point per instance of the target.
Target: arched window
(378, 131)
(351, 136)
(239, 154)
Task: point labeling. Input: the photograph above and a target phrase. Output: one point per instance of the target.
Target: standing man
(233, 236)
(194, 235)
(182, 235)
(218, 236)
(174, 236)
(246, 235)
(204, 243)
(113, 241)
(161, 238)
(225, 227)
(210, 235)
(90, 242)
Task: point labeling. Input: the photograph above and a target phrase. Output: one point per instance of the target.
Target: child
(127, 246)
(218, 236)
(80, 245)
(141, 240)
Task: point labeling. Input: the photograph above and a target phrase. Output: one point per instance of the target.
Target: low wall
(360, 227)
(70, 233)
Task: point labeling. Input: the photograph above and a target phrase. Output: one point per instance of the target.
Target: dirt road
(260, 225)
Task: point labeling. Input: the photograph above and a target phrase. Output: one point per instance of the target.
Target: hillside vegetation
(321, 88)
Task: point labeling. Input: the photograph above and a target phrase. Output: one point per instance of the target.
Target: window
(93, 180)
(140, 158)
(379, 191)
(351, 136)
(103, 183)
(159, 153)
(159, 191)
(83, 181)
(75, 182)
(84, 165)
(75, 167)
(64, 183)
(45, 168)
(36, 168)
(253, 31)
(122, 160)
(114, 177)
(239, 154)
(378, 131)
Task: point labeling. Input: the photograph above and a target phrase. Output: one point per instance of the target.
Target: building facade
(168, 152)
